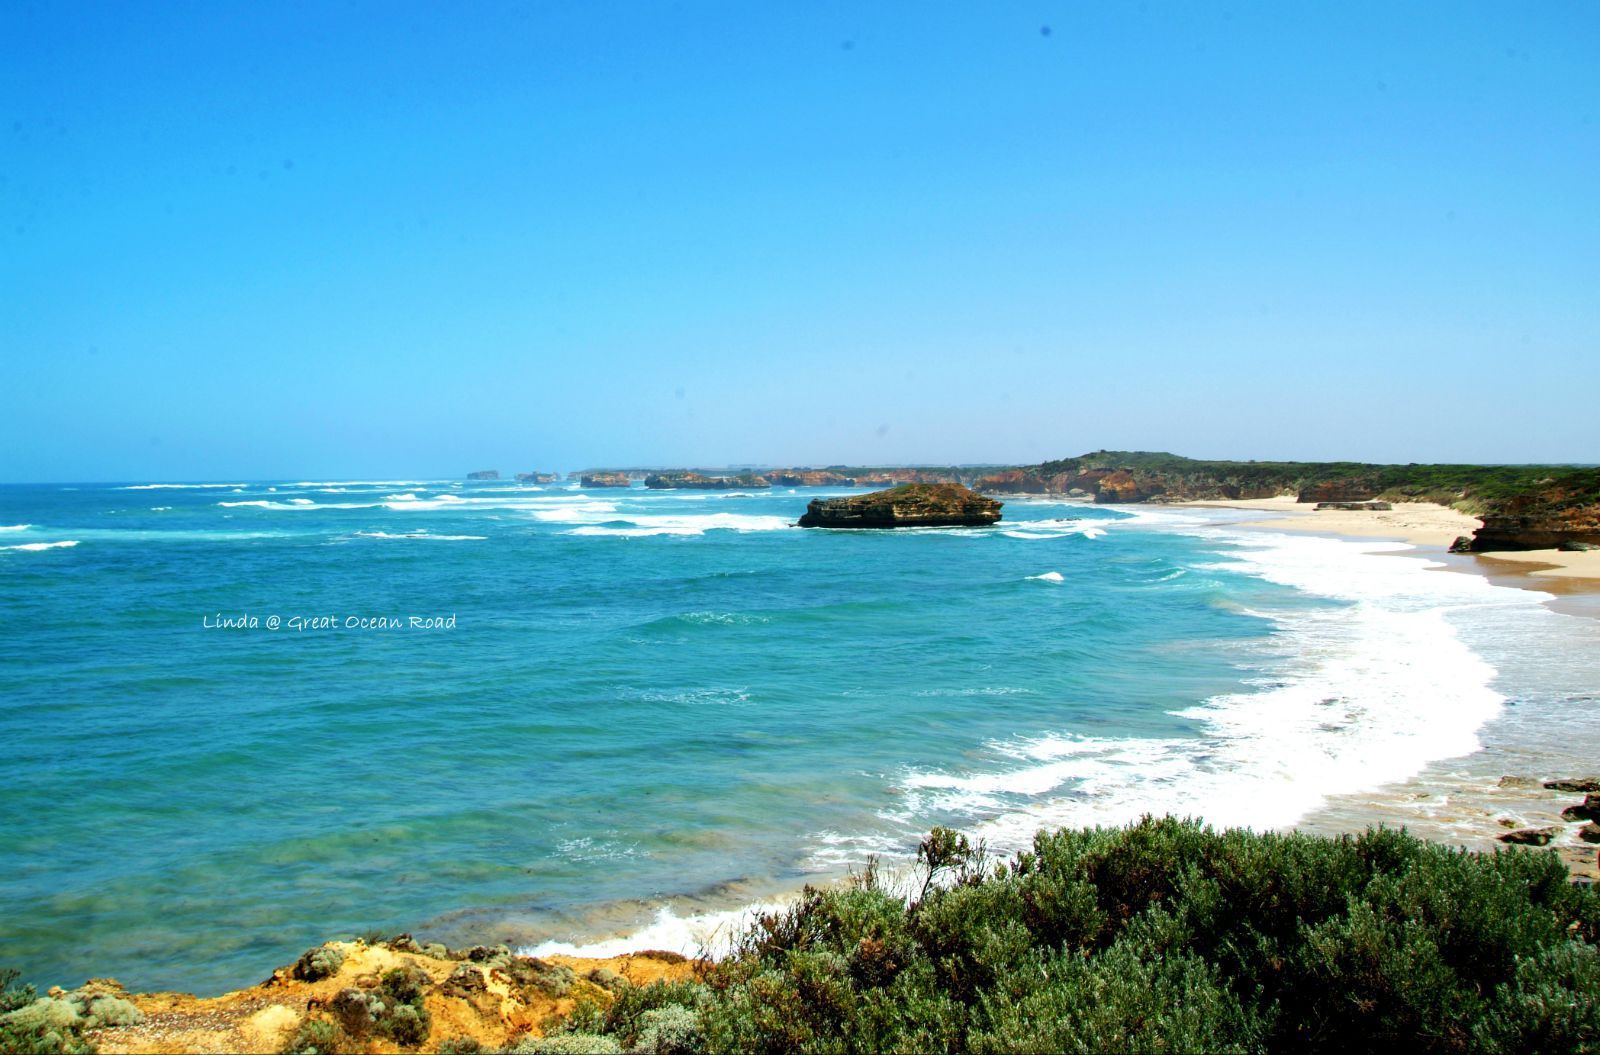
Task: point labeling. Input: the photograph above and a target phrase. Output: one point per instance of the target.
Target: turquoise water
(643, 695)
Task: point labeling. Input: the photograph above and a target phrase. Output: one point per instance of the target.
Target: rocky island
(538, 478)
(484, 474)
(908, 505)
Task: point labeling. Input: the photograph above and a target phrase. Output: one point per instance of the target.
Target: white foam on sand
(1371, 691)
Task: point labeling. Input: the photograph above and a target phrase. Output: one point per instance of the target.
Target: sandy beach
(1424, 524)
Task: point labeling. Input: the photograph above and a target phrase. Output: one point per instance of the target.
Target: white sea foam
(422, 534)
(1374, 689)
(176, 487)
(586, 512)
(1050, 576)
(16, 527)
(1051, 529)
(297, 503)
(649, 524)
(362, 483)
(35, 546)
(697, 934)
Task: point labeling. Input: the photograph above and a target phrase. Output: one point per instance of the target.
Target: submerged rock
(1531, 836)
(1584, 784)
(1589, 811)
(909, 505)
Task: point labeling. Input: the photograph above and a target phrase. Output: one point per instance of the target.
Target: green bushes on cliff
(56, 1024)
(1164, 935)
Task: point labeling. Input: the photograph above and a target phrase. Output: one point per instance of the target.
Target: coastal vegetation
(1163, 935)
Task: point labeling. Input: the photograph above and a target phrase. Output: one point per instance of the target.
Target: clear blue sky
(349, 240)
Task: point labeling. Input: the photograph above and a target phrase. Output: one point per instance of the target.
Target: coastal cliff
(693, 481)
(909, 505)
(1563, 511)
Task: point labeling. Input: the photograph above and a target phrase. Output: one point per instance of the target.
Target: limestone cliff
(1561, 511)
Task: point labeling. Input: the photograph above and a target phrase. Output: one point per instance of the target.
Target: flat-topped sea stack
(693, 481)
(484, 474)
(605, 480)
(909, 505)
(538, 478)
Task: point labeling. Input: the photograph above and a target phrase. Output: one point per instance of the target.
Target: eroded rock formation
(908, 505)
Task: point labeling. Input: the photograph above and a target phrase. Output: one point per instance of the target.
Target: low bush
(1164, 935)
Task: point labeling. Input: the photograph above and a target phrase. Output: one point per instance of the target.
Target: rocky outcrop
(1552, 513)
(1584, 784)
(1357, 506)
(1589, 810)
(484, 474)
(383, 996)
(1531, 836)
(809, 478)
(605, 480)
(908, 505)
(538, 478)
(699, 482)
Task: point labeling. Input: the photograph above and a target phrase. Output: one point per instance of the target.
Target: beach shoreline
(1431, 528)
(1455, 801)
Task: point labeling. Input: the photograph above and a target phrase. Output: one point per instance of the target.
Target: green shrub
(1161, 936)
(407, 1024)
(567, 1044)
(671, 1029)
(461, 1046)
(46, 1026)
(316, 1036)
(316, 964)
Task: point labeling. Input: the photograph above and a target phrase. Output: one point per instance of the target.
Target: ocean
(243, 718)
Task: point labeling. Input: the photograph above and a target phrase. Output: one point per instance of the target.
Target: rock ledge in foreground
(909, 505)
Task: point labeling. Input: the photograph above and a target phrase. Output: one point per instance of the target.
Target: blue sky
(280, 240)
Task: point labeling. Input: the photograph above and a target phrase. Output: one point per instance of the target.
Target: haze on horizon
(395, 240)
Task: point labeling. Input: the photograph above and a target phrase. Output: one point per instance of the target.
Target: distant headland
(1523, 507)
